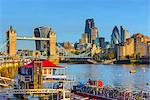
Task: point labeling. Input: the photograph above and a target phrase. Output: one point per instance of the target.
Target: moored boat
(133, 71)
(92, 90)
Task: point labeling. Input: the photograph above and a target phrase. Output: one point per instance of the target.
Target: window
(45, 71)
(54, 71)
(49, 71)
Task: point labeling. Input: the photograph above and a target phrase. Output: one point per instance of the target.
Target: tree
(138, 56)
(95, 56)
(111, 55)
(104, 57)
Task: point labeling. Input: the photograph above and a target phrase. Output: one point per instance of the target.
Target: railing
(33, 91)
(54, 76)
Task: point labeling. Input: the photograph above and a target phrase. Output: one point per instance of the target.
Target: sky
(67, 17)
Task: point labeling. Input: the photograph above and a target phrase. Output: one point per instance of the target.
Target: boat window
(54, 71)
(45, 71)
(49, 71)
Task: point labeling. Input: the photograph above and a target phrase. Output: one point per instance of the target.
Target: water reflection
(114, 75)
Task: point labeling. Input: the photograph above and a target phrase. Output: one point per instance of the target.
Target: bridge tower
(11, 42)
(52, 46)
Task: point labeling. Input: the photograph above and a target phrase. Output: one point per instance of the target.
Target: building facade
(94, 36)
(91, 32)
(141, 44)
(124, 34)
(102, 42)
(48, 46)
(137, 45)
(88, 26)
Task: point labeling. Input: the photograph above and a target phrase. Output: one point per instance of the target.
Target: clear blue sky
(67, 17)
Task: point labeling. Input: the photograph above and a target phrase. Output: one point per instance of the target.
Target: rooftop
(45, 63)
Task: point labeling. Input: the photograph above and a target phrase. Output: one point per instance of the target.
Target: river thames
(114, 75)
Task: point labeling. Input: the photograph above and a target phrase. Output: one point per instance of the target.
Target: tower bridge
(49, 45)
(11, 39)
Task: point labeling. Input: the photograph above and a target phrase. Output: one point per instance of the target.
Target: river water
(114, 75)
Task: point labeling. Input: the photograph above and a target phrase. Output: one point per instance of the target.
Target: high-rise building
(115, 37)
(102, 42)
(91, 32)
(83, 39)
(94, 35)
(124, 34)
(45, 32)
(89, 25)
(107, 45)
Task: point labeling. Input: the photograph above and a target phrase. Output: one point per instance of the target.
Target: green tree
(104, 57)
(111, 55)
(95, 56)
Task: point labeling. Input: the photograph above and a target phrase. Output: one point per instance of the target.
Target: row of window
(54, 71)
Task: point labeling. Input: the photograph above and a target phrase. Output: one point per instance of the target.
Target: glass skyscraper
(124, 34)
(43, 32)
(91, 31)
(115, 37)
(88, 26)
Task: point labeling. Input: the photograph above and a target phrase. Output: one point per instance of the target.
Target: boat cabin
(33, 74)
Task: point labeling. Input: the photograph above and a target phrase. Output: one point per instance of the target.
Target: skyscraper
(89, 25)
(83, 39)
(115, 37)
(42, 32)
(102, 42)
(94, 35)
(92, 32)
(45, 32)
(124, 34)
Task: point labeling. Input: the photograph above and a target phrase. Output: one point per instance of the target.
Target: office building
(115, 37)
(124, 34)
(48, 46)
(102, 42)
(137, 45)
(88, 26)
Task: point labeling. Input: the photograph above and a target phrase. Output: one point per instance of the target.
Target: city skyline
(26, 15)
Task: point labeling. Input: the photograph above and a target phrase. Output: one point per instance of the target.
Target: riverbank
(132, 62)
(109, 62)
